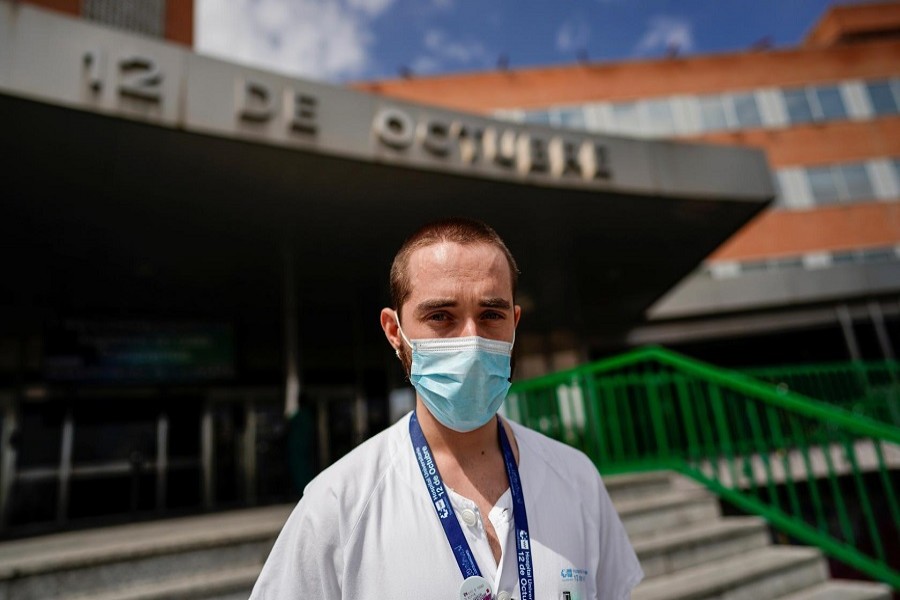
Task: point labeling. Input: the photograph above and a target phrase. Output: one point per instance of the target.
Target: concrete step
(699, 543)
(842, 590)
(90, 562)
(233, 583)
(766, 573)
(636, 485)
(660, 512)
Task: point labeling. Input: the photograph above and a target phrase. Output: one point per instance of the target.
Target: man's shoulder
(546, 446)
(559, 458)
(363, 469)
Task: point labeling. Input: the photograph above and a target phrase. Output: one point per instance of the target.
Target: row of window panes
(839, 183)
(727, 111)
(862, 256)
(884, 96)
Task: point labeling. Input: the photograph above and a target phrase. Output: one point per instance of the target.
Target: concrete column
(65, 466)
(162, 458)
(7, 456)
(291, 350)
(884, 341)
(324, 434)
(846, 321)
(206, 455)
(249, 449)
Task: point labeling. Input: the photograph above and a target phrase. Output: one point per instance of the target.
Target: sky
(339, 41)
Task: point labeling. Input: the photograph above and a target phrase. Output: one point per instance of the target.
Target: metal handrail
(817, 472)
(871, 389)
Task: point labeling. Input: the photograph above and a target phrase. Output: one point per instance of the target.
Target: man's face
(456, 290)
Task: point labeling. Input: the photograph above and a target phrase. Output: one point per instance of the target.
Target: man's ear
(517, 313)
(391, 328)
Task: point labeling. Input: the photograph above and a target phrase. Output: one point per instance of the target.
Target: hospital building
(195, 252)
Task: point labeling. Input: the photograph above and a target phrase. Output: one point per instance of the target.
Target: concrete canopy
(180, 194)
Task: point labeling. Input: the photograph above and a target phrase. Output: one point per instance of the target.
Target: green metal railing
(871, 389)
(818, 473)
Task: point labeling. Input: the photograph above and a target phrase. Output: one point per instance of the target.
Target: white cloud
(319, 39)
(424, 65)
(461, 52)
(572, 35)
(665, 32)
(371, 7)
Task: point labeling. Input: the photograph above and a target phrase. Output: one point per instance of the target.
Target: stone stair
(689, 551)
(214, 556)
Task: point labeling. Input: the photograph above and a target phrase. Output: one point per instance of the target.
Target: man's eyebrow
(495, 303)
(434, 304)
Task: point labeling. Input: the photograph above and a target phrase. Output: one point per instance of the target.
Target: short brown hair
(459, 230)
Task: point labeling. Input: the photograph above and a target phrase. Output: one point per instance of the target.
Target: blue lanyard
(447, 517)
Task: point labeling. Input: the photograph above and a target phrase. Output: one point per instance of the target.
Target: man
(453, 502)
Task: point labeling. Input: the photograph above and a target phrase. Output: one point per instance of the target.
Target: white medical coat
(366, 529)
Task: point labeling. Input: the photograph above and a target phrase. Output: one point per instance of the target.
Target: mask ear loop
(403, 335)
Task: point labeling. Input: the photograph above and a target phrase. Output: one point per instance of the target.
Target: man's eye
(437, 317)
(492, 315)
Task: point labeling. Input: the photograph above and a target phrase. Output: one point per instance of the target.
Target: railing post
(724, 435)
(866, 505)
(593, 417)
(656, 414)
(615, 430)
(687, 412)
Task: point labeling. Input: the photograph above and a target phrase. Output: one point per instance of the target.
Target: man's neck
(464, 448)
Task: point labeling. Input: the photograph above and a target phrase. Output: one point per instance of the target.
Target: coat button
(469, 517)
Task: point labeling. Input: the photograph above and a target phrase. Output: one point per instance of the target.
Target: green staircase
(823, 473)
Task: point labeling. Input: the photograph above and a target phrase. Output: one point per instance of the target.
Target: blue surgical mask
(461, 380)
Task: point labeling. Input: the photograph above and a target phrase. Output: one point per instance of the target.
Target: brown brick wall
(179, 26)
(180, 21)
(790, 233)
(820, 143)
(842, 23)
(537, 88)
(72, 7)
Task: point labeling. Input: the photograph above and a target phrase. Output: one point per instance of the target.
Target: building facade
(171, 20)
(814, 278)
(195, 255)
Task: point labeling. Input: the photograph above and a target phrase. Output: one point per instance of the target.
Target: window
(857, 185)
(798, 107)
(541, 117)
(878, 255)
(823, 185)
(839, 183)
(843, 258)
(658, 117)
(831, 105)
(754, 266)
(746, 111)
(572, 117)
(823, 103)
(884, 100)
(712, 113)
(792, 262)
(142, 16)
(625, 117)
